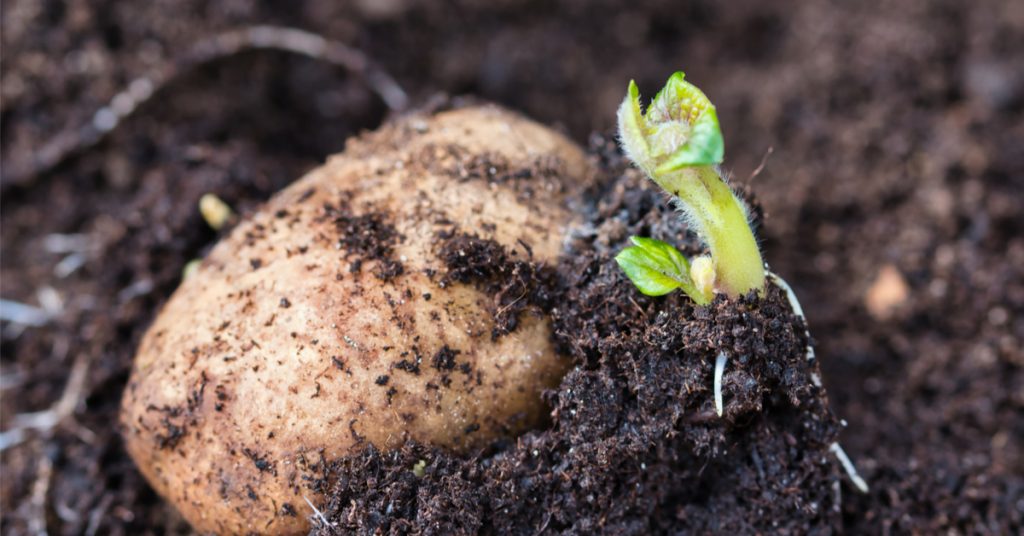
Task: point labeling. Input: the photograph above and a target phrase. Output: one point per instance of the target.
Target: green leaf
(666, 253)
(668, 97)
(632, 127)
(655, 267)
(705, 146)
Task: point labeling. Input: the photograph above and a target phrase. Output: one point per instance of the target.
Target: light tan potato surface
(275, 356)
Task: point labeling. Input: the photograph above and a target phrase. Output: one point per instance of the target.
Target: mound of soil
(896, 130)
(635, 446)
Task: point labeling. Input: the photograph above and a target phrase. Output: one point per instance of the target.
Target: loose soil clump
(517, 285)
(366, 236)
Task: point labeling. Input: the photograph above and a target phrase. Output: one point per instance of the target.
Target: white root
(141, 90)
(794, 304)
(851, 471)
(22, 314)
(319, 515)
(317, 47)
(844, 460)
(40, 491)
(719, 369)
(47, 420)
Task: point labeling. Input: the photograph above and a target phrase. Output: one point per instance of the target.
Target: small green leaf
(646, 273)
(632, 127)
(666, 100)
(657, 268)
(705, 146)
(666, 253)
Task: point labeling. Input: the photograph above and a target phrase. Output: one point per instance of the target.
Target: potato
(330, 319)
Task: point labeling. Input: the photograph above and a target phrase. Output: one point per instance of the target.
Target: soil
(368, 236)
(895, 130)
(517, 285)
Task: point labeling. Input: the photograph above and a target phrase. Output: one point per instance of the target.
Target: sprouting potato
(328, 320)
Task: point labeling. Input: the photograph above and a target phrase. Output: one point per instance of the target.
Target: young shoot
(678, 143)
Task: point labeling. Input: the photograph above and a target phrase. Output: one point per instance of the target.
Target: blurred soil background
(894, 201)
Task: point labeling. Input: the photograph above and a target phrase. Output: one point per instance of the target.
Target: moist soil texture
(892, 201)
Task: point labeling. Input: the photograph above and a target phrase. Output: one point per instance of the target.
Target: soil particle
(408, 366)
(539, 177)
(518, 286)
(173, 434)
(368, 236)
(261, 462)
(444, 359)
(380, 494)
(886, 293)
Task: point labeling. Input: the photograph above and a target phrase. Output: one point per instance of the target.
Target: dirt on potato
(895, 129)
(517, 285)
(368, 236)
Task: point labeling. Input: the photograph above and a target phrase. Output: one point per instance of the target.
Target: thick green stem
(719, 218)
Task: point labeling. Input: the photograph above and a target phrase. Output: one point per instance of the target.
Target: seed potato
(327, 320)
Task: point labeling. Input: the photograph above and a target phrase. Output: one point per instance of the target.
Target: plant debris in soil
(896, 132)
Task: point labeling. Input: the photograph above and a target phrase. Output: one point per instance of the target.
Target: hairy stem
(720, 219)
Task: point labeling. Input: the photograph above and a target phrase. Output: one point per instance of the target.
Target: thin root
(844, 460)
(760, 167)
(23, 314)
(319, 515)
(719, 369)
(47, 420)
(139, 91)
(851, 471)
(40, 491)
(799, 312)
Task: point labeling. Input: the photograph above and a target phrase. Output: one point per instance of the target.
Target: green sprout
(678, 144)
(419, 468)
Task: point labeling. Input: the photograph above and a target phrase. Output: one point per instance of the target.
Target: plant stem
(722, 221)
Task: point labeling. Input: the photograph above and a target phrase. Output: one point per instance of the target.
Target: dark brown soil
(896, 128)
(516, 285)
(366, 237)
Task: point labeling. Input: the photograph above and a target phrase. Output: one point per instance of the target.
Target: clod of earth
(392, 295)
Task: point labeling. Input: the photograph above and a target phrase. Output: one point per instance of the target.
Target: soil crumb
(367, 236)
(517, 285)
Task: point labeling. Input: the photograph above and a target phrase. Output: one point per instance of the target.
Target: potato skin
(274, 357)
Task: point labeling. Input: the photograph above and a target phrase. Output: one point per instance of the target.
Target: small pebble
(887, 293)
(215, 212)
